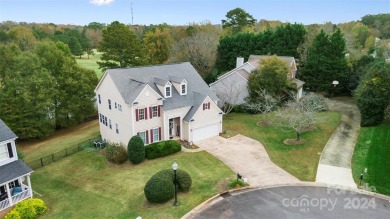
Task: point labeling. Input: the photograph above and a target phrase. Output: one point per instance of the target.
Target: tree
(270, 76)
(136, 150)
(229, 93)
(75, 46)
(373, 93)
(23, 37)
(120, 47)
(237, 19)
(158, 44)
(26, 98)
(326, 62)
(264, 104)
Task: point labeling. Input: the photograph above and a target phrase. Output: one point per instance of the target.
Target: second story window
(109, 104)
(3, 152)
(155, 111)
(168, 92)
(141, 114)
(99, 99)
(117, 128)
(119, 107)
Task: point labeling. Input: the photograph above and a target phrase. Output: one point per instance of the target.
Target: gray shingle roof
(13, 170)
(130, 89)
(5, 132)
(198, 100)
(254, 59)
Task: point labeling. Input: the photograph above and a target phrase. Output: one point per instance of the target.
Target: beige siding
(147, 98)
(207, 117)
(108, 90)
(180, 112)
(185, 131)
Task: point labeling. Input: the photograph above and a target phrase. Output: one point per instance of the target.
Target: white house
(237, 78)
(157, 103)
(13, 172)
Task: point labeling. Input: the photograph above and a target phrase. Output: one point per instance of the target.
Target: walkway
(335, 162)
(249, 158)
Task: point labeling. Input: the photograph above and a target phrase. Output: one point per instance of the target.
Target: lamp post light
(174, 167)
(335, 83)
(361, 178)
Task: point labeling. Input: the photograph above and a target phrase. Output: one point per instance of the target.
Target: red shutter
(159, 133)
(136, 115)
(151, 135)
(147, 137)
(146, 113)
(209, 105)
(203, 106)
(159, 110)
(151, 112)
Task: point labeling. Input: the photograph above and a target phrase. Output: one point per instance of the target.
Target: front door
(170, 128)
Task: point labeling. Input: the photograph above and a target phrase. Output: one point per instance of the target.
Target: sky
(183, 12)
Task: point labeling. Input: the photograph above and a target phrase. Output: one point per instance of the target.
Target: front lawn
(372, 151)
(299, 160)
(85, 185)
(91, 62)
(61, 139)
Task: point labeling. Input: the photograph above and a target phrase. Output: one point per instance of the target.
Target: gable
(5, 132)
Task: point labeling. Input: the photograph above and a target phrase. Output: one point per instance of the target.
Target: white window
(142, 135)
(168, 92)
(109, 122)
(115, 106)
(156, 135)
(109, 104)
(183, 89)
(141, 114)
(119, 107)
(3, 152)
(100, 100)
(117, 128)
(155, 111)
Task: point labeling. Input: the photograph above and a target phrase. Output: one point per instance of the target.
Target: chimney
(240, 61)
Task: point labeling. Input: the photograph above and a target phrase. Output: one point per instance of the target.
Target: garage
(205, 132)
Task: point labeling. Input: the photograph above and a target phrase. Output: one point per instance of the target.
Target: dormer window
(183, 89)
(168, 91)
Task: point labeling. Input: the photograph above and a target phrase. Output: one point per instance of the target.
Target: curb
(216, 198)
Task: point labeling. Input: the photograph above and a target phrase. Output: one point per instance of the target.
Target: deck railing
(15, 199)
(4, 204)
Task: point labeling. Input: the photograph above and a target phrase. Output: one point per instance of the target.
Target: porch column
(9, 195)
(29, 186)
(181, 128)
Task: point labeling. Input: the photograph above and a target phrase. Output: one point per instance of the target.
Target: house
(157, 103)
(13, 172)
(236, 79)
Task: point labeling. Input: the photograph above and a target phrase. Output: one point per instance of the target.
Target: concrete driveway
(247, 157)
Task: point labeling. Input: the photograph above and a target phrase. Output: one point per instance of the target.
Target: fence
(43, 161)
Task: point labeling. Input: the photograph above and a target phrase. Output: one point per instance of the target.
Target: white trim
(231, 72)
(146, 136)
(101, 80)
(181, 88)
(147, 85)
(170, 91)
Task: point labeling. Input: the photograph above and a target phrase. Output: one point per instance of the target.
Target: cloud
(101, 2)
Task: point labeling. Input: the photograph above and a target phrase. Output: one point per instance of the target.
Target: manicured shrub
(315, 102)
(158, 188)
(27, 209)
(136, 150)
(161, 149)
(116, 154)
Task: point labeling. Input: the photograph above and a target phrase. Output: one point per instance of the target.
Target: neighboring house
(157, 103)
(234, 82)
(13, 172)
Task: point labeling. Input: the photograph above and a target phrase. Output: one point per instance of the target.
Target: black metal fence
(43, 161)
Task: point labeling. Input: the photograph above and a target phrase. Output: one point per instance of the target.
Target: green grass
(60, 140)
(85, 185)
(90, 63)
(372, 151)
(299, 160)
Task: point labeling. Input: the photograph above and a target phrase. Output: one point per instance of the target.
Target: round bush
(116, 154)
(136, 150)
(158, 188)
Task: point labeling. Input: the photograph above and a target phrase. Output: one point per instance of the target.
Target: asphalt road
(298, 202)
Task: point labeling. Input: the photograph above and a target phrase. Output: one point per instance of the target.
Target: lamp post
(174, 167)
(335, 83)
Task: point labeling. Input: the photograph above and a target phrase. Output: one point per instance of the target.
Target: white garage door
(205, 132)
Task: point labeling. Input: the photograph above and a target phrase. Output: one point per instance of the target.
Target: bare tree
(229, 93)
(264, 103)
(292, 119)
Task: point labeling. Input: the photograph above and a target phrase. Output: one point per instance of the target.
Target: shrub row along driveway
(249, 158)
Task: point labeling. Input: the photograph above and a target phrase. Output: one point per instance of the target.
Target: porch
(16, 185)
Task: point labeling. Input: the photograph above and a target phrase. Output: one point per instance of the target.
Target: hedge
(160, 187)
(161, 149)
(27, 209)
(116, 154)
(136, 150)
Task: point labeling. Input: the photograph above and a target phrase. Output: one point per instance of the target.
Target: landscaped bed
(372, 151)
(85, 185)
(299, 160)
